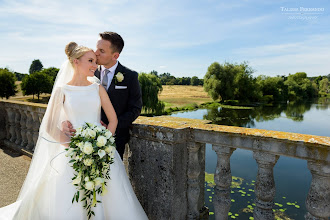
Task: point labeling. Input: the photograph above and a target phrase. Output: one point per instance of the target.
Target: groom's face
(104, 54)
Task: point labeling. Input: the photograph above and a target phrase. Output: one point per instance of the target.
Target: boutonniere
(119, 77)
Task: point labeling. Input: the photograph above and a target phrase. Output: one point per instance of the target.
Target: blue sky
(180, 37)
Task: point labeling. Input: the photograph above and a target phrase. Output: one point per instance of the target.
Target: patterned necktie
(105, 79)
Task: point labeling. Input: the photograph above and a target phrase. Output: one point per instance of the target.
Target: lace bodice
(82, 104)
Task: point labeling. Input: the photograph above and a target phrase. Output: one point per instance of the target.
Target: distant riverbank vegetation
(228, 85)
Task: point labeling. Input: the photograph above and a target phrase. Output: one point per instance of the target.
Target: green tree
(151, 86)
(231, 81)
(154, 72)
(7, 83)
(51, 71)
(37, 83)
(245, 85)
(20, 76)
(300, 87)
(324, 85)
(273, 87)
(194, 81)
(36, 66)
(219, 81)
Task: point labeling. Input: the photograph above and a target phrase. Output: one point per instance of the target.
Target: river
(292, 177)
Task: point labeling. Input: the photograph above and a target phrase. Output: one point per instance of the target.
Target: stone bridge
(166, 162)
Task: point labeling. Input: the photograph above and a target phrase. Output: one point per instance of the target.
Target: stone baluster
(318, 198)
(18, 126)
(35, 128)
(222, 179)
(23, 129)
(11, 120)
(194, 181)
(29, 131)
(8, 135)
(265, 186)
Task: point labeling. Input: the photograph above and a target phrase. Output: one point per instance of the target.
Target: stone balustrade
(166, 161)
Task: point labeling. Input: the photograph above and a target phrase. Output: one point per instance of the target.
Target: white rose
(88, 162)
(98, 181)
(107, 149)
(89, 185)
(108, 134)
(91, 133)
(112, 140)
(98, 129)
(78, 158)
(78, 131)
(112, 151)
(120, 77)
(80, 145)
(101, 141)
(88, 148)
(84, 133)
(101, 153)
(86, 179)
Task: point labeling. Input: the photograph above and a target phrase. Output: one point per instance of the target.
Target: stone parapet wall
(166, 161)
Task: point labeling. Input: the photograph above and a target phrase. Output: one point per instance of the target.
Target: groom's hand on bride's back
(67, 128)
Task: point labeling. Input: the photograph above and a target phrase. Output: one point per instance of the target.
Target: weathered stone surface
(222, 179)
(158, 171)
(318, 199)
(265, 186)
(166, 161)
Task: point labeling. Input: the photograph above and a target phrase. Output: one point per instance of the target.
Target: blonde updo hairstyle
(73, 51)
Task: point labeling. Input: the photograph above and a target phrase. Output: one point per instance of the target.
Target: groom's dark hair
(117, 42)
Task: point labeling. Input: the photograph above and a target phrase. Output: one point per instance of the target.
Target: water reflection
(247, 117)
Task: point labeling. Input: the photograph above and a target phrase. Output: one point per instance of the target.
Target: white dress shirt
(110, 74)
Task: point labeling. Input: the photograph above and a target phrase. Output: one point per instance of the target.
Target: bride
(47, 190)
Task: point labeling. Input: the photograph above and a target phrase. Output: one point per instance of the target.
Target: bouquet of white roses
(92, 151)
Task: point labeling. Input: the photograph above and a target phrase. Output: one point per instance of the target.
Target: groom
(121, 83)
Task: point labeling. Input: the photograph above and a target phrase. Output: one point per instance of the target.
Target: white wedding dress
(52, 198)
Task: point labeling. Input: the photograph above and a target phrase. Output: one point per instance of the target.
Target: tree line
(224, 82)
(231, 81)
(168, 79)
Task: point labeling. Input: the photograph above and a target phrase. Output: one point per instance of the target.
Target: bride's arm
(108, 110)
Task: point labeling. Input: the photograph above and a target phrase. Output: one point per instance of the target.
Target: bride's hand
(67, 128)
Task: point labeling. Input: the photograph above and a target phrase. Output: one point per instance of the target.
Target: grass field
(173, 96)
(29, 98)
(180, 96)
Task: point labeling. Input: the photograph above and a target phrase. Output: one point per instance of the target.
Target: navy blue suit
(127, 103)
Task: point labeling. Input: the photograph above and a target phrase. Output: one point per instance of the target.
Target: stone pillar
(18, 126)
(23, 129)
(35, 128)
(11, 120)
(265, 186)
(196, 167)
(318, 198)
(157, 169)
(222, 179)
(29, 133)
(3, 127)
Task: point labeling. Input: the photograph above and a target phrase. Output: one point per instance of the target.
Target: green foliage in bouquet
(92, 151)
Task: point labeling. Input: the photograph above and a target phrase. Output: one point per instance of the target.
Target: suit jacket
(126, 101)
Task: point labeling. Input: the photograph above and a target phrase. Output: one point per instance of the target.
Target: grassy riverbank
(175, 97)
